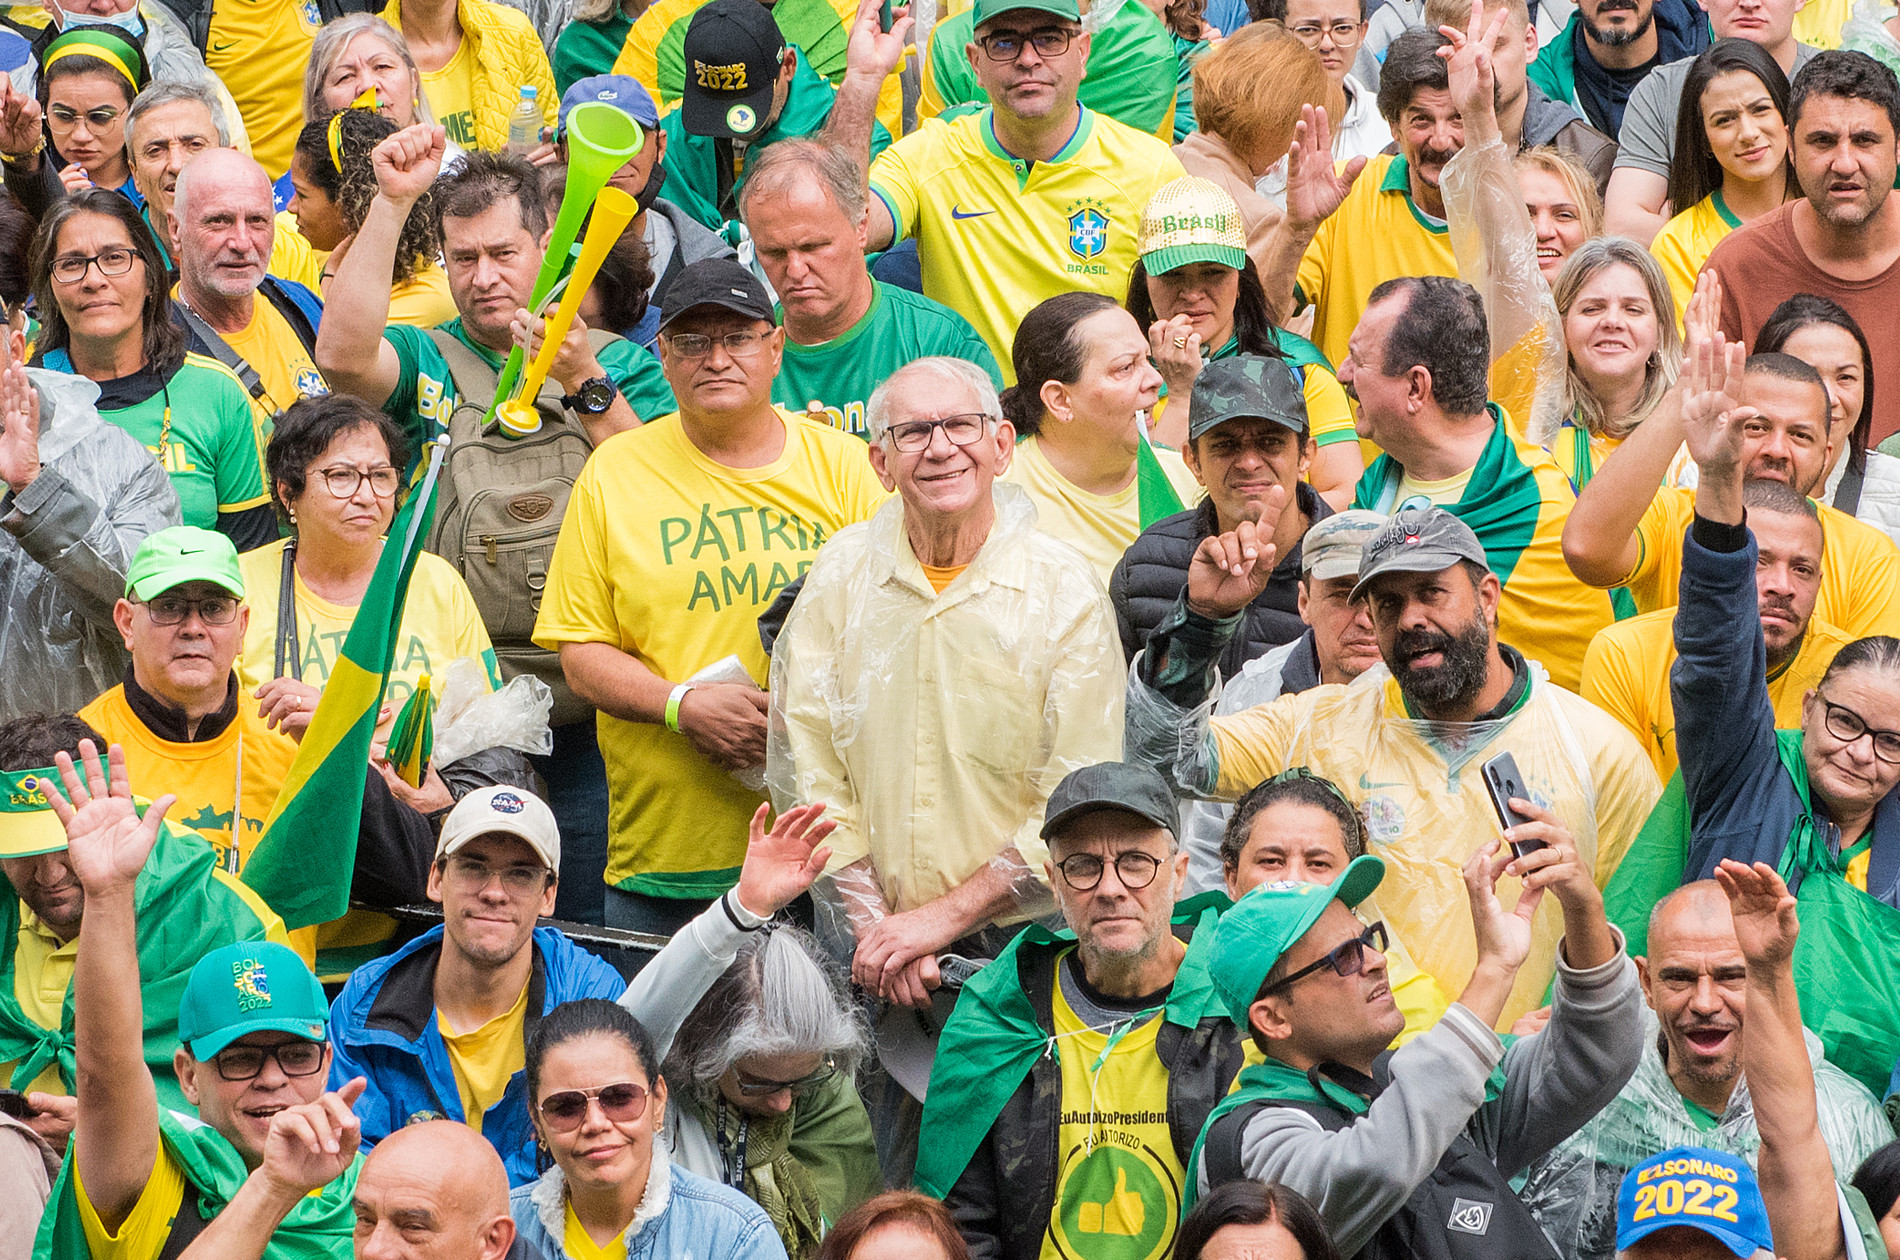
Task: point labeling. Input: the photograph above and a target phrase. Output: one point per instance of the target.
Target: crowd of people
(1008, 630)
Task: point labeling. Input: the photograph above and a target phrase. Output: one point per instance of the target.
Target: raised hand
(106, 839)
(408, 162)
(1504, 936)
(1714, 422)
(20, 130)
(1470, 75)
(1766, 922)
(1314, 186)
(19, 421)
(1229, 570)
(782, 863)
(311, 1145)
(874, 52)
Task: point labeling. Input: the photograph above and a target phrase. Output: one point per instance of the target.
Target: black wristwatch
(593, 397)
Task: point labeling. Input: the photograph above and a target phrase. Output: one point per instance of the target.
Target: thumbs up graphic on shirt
(1123, 1214)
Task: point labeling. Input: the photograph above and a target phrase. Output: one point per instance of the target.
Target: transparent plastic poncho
(1572, 1191)
(935, 726)
(1418, 787)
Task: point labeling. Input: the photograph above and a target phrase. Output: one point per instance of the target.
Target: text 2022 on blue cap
(1697, 1188)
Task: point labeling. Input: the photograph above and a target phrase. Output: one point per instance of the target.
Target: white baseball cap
(502, 810)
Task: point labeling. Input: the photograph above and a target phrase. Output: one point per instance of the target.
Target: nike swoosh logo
(957, 213)
(224, 47)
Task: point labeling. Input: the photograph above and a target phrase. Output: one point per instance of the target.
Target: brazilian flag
(303, 864)
(1153, 489)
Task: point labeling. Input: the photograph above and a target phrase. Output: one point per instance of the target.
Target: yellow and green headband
(28, 825)
(369, 100)
(104, 43)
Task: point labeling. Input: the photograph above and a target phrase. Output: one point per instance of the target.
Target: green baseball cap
(181, 554)
(252, 986)
(1247, 386)
(1267, 922)
(987, 9)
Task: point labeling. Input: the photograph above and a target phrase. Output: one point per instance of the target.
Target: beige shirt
(936, 725)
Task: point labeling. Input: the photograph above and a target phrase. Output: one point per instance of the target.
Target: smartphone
(1503, 781)
(13, 1103)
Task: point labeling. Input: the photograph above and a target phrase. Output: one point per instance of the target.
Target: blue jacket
(383, 1028)
(1742, 803)
(682, 1216)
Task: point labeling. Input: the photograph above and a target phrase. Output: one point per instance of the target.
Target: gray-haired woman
(759, 1044)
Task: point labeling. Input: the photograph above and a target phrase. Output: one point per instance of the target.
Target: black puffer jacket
(1152, 573)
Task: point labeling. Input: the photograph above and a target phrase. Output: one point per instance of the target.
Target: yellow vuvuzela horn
(613, 210)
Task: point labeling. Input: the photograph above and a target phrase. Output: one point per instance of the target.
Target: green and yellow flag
(304, 863)
(412, 737)
(1154, 491)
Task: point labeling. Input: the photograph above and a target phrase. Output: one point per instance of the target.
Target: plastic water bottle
(524, 124)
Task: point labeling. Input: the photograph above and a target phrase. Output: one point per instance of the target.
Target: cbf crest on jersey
(1088, 228)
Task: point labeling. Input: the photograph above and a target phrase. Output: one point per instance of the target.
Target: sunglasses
(763, 1087)
(619, 1103)
(1346, 959)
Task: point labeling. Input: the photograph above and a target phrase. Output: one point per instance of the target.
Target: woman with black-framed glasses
(600, 1110)
(104, 302)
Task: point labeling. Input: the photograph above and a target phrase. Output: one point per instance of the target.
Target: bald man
(1685, 1089)
(224, 228)
(433, 1191)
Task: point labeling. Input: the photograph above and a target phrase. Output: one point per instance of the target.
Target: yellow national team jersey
(1626, 674)
(576, 1243)
(486, 1058)
(148, 1227)
(1416, 493)
(1100, 526)
(293, 257)
(1038, 229)
(1819, 22)
(451, 93)
(1376, 235)
(423, 300)
(671, 557)
(1687, 240)
(1118, 1179)
(1860, 568)
(440, 623)
(271, 347)
(260, 49)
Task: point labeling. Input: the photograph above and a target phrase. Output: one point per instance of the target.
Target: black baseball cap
(1118, 785)
(717, 282)
(732, 51)
(1418, 540)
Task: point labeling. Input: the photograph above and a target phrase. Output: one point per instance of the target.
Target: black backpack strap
(1847, 494)
(289, 655)
(1220, 1150)
(223, 353)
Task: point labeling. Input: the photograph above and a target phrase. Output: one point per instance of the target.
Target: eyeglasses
(172, 610)
(916, 435)
(65, 116)
(1848, 726)
(762, 1087)
(343, 483)
(1135, 869)
(1347, 959)
(1309, 33)
(619, 1103)
(294, 1058)
(1051, 41)
(740, 345)
(71, 268)
(517, 880)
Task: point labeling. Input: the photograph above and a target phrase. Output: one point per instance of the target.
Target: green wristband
(673, 705)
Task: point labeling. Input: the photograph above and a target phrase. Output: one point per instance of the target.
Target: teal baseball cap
(172, 557)
(1265, 923)
(252, 986)
(987, 9)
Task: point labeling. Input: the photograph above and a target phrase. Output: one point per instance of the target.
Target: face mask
(129, 21)
(651, 193)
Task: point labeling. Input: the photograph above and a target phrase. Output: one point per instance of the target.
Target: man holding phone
(1406, 743)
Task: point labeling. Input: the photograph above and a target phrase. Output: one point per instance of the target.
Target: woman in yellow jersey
(1622, 353)
(1199, 296)
(1732, 162)
(599, 1107)
(335, 185)
(1861, 482)
(1083, 386)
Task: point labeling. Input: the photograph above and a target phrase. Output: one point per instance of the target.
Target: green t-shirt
(201, 427)
(1131, 73)
(692, 170)
(900, 328)
(588, 48)
(425, 396)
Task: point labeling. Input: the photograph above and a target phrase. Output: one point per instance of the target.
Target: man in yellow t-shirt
(678, 535)
(1626, 672)
(260, 51)
(263, 328)
(1033, 196)
(453, 1003)
(1127, 1058)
